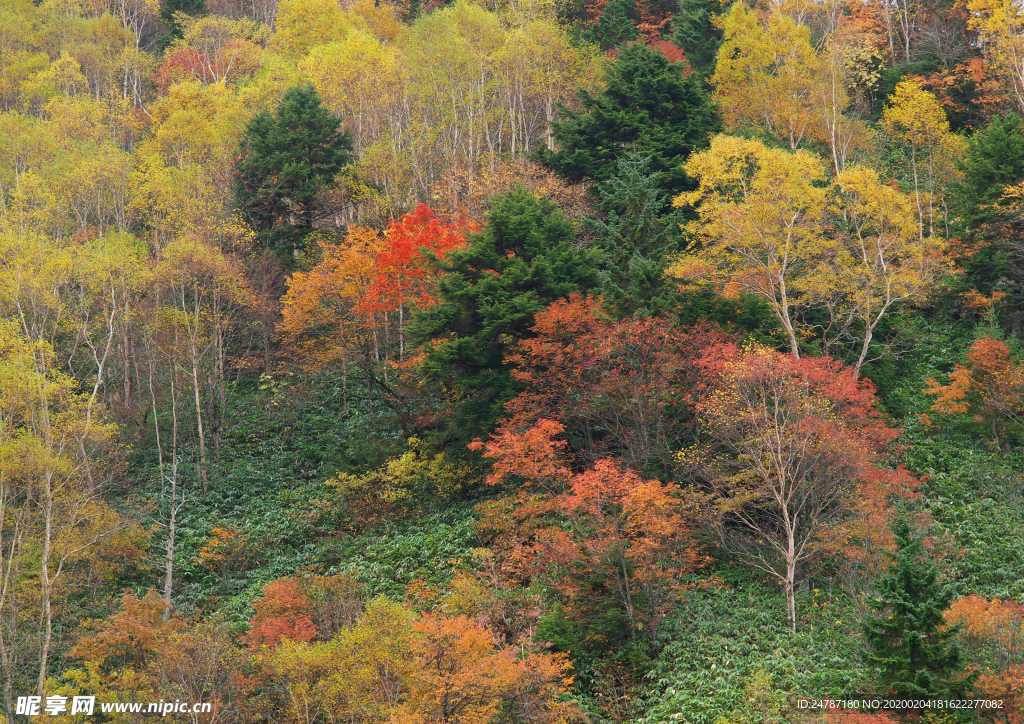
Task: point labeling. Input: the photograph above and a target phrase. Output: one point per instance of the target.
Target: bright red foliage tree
(617, 387)
(403, 269)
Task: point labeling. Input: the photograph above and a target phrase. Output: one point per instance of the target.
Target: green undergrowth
(729, 656)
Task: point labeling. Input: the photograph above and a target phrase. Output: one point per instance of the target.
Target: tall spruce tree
(284, 162)
(649, 107)
(696, 32)
(489, 293)
(615, 27)
(637, 240)
(994, 160)
(915, 656)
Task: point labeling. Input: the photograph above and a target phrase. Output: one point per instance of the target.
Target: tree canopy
(648, 106)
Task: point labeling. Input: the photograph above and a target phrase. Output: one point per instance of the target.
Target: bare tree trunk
(172, 519)
(790, 583)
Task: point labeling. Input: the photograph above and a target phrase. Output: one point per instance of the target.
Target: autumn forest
(512, 361)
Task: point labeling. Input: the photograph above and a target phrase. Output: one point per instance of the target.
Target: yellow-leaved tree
(769, 76)
(878, 259)
(915, 120)
(760, 212)
(769, 226)
(1000, 28)
(53, 515)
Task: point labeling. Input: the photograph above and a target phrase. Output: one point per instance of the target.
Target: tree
(649, 107)
(990, 388)
(488, 294)
(615, 385)
(999, 24)
(768, 227)
(763, 75)
(403, 274)
(637, 240)
(760, 216)
(319, 322)
(915, 119)
(791, 443)
(994, 162)
(51, 439)
(282, 613)
(878, 259)
(909, 643)
(304, 24)
(604, 536)
(172, 10)
(771, 78)
(285, 161)
(697, 33)
(460, 675)
(615, 26)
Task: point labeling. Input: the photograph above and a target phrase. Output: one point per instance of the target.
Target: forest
(512, 361)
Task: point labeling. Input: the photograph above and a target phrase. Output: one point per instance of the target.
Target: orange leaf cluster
(403, 269)
(990, 387)
(606, 522)
(282, 613)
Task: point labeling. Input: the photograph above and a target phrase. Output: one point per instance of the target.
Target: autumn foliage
(402, 269)
(793, 444)
(364, 286)
(616, 387)
(605, 533)
(282, 613)
(990, 388)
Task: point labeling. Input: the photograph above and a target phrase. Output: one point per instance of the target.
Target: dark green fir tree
(994, 160)
(638, 239)
(285, 160)
(648, 107)
(616, 25)
(915, 655)
(696, 33)
(489, 292)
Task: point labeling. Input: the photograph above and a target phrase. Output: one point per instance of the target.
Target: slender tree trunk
(46, 582)
(791, 591)
(172, 519)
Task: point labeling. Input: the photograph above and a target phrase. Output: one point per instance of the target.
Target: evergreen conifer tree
(637, 240)
(285, 160)
(916, 658)
(697, 34)
(489, 293)
(648, 107)
(995, 160)
(615, 27)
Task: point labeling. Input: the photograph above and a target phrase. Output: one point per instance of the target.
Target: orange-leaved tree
(992, 632)
(318, 322)
(990, 389)
(788, 447)
(282, 613)
(460, 674)
(605, 534)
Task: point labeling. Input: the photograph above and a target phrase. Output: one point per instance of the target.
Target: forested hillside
(519, 361)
